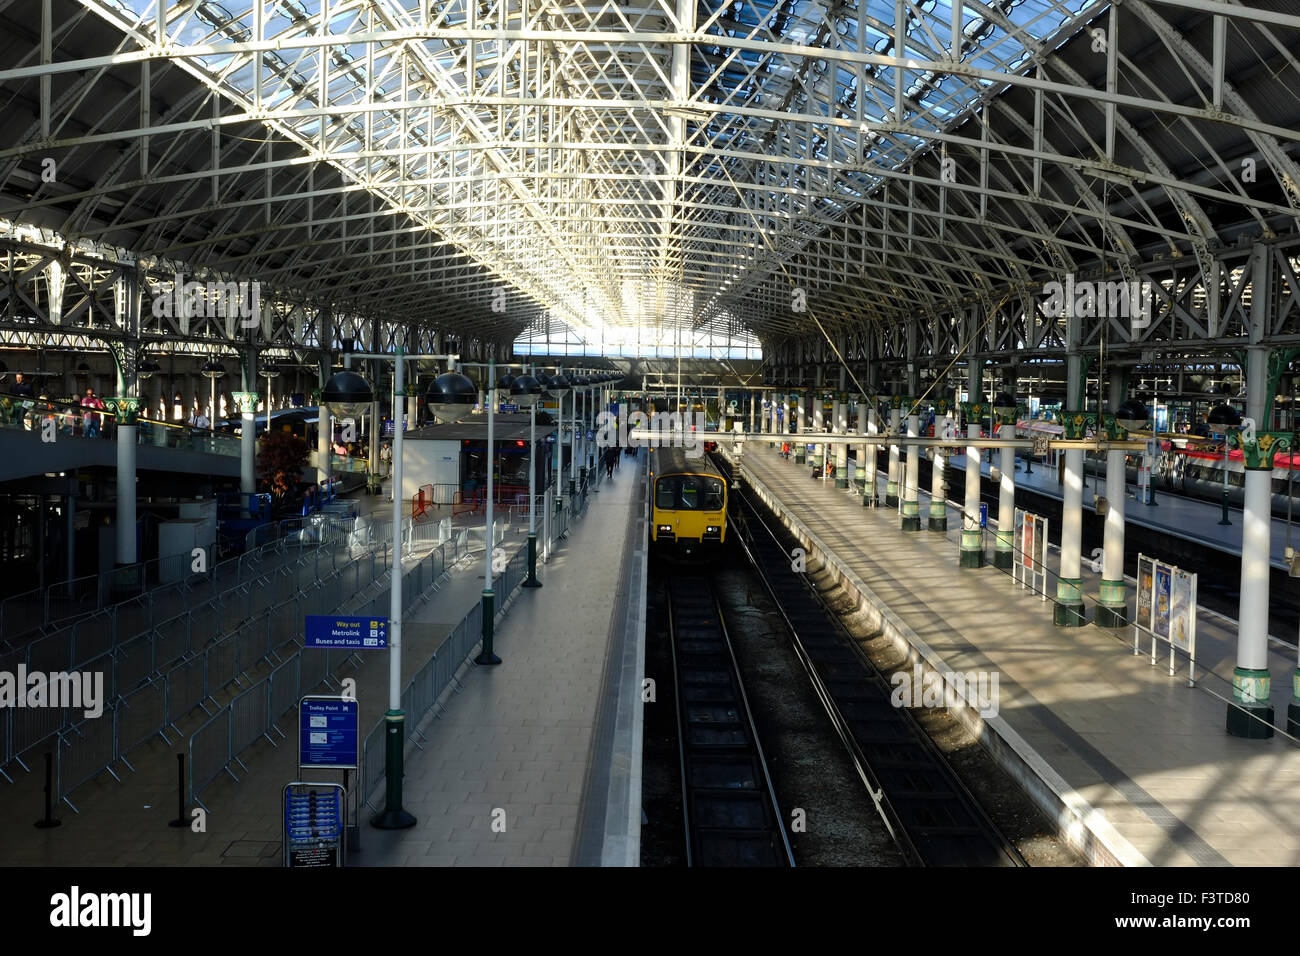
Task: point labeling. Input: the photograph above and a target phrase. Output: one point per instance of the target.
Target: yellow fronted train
(688, 504)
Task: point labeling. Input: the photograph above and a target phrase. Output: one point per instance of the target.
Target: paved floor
(125, 823)
(1145, 750)
(501, 779)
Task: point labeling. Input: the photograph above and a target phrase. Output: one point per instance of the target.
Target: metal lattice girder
(790, 168)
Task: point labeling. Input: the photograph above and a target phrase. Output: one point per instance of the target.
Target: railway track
(729, 807)
(932, 816)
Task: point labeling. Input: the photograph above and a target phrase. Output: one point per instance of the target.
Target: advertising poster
(1180, 609)
(1164, 584)
(1144, 582)
(1027, 542)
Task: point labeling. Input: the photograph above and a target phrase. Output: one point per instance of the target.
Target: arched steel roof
(480, 166)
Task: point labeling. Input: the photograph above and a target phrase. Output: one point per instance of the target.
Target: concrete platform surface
(1137, 756)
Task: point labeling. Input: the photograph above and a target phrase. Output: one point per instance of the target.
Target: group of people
(87, 423)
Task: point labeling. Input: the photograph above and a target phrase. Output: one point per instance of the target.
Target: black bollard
(49, 821)
(180, 820)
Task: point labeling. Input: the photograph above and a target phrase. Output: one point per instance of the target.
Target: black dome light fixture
(1132, 415)
(1224, 415)
(1004, 406)
(347, 395)
(525, 391)
(146, 368)
(451, 397)
(211, 369)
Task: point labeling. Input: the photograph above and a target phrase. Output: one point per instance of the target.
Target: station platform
(125, 821)
(536, 762)
(1189, 518)
(1133, 764)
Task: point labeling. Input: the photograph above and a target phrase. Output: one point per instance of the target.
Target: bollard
(49, 820)
(180, 820)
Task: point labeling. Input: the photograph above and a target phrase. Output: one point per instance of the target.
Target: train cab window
(666, 493)
(712, 494)
(689, 493)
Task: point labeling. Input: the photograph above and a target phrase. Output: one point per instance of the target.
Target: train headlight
(711, 528)
(665, 527)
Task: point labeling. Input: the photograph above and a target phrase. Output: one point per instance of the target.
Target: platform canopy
(628, 171)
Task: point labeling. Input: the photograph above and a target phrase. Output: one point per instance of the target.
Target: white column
(841, 451)
(891, 486)
(1003, 557)
(972, 546)
(912, 478)
(938, 499)
(1070, 611)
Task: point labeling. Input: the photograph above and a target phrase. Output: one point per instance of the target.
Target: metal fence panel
(185, 688)
(284, 693)
(172, 641)
(223, 665)
(209, 752)
(234, 608)
(30, 726)
(248, 717)
(312, 667)
(85, 751)
(252, 643)
(204, 626)
(52, 653)
(133, 663)
(140, 716)
(134, 616)
(92, 636)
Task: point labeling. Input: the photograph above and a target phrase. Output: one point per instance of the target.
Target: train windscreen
(688, 493)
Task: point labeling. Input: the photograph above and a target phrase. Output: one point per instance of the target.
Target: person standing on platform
(92, 417)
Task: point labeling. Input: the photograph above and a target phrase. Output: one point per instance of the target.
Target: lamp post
(347, 394)
(212, 370)
(526, 390)
(1225, 415)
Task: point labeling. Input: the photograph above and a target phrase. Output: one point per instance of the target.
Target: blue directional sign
(508, 409)
(984, 514)
(328, 733)
(353, 633)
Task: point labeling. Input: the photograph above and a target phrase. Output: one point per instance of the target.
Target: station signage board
(328, 733)
(364, 633)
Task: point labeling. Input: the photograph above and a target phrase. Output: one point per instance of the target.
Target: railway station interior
(666, 433)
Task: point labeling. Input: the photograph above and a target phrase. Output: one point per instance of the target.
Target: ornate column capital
(1075, 425)
(125, 409)
(1259, 448)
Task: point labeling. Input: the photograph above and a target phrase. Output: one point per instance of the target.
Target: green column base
(938, 524)
(911, 522)
(486, 657)
(1069, 615)
(1003, 560)
(1293, 718)
(1069, 610)
(891, 494)
(868, 500)
(1250, 715)
(1111, 615)
(393, 817)
(531, 581)
(938, 516)
(972, 550)
(798, 458)
(841, 482)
